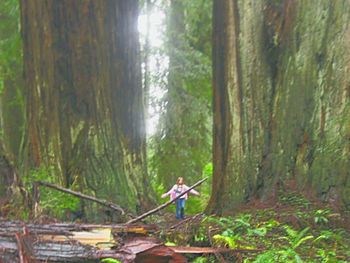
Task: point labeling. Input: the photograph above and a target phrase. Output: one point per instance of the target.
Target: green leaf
(110, 260)
(170, 243)
(298, 259)
(297, 244)
(290, 231)
(224, 240)
(258, 231)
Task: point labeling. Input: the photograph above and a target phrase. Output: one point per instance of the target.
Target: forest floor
(293, 229)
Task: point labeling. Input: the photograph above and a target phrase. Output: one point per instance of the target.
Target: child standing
(175, 191)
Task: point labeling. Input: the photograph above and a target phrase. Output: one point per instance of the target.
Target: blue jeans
(180, 208)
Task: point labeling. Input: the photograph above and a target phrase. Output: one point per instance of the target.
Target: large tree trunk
(85, 119)
(228, 143)
(283, 112)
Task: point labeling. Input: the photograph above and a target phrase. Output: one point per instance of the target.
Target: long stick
(165, 204)
(83, 196)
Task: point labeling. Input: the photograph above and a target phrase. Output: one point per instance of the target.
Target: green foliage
(205, 259)
(110, 260)
(225, 240)
(320, 216)
(287, 255)
(294, 199)
(200, 260)
(295, 238)
(287, 234)
(170, 243)
(287, 251)
(10, 39)
(198, 204)
(11, 84)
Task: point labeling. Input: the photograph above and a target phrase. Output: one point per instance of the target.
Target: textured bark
(228, 143)
(85, 113)
(293, 82)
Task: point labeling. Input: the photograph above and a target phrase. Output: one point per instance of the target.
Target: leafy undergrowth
(293, 230)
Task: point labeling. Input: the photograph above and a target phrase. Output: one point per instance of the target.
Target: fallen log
(134, 220)
(105, 203)
(133, 250)
(11, 227)
(60, 252)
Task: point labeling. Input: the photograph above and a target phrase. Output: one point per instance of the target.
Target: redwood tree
(228, 144)
(281, 100)
(85, 116)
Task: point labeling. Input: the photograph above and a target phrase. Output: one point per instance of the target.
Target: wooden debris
(68, 228)
(79, 243)
(60, 252)
(160, 254)
(218, 255)
(165, 204)
(186, 221)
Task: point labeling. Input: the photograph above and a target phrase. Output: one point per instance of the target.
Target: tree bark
(280, 110)
(85, 113)
(228, 136)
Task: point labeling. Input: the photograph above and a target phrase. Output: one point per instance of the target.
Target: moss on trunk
(294, 86)
(85, 114)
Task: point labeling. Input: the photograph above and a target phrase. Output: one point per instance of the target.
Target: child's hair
(180, 180)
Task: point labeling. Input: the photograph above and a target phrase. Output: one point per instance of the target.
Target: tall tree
(281, 101)
(228, 143)
(85, 118)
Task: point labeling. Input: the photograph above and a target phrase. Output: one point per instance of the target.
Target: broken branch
(83, 196)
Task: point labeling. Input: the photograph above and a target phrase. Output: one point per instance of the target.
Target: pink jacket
(172, 192)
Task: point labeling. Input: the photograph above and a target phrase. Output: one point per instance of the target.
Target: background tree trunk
(184, 137)
(85, 115)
